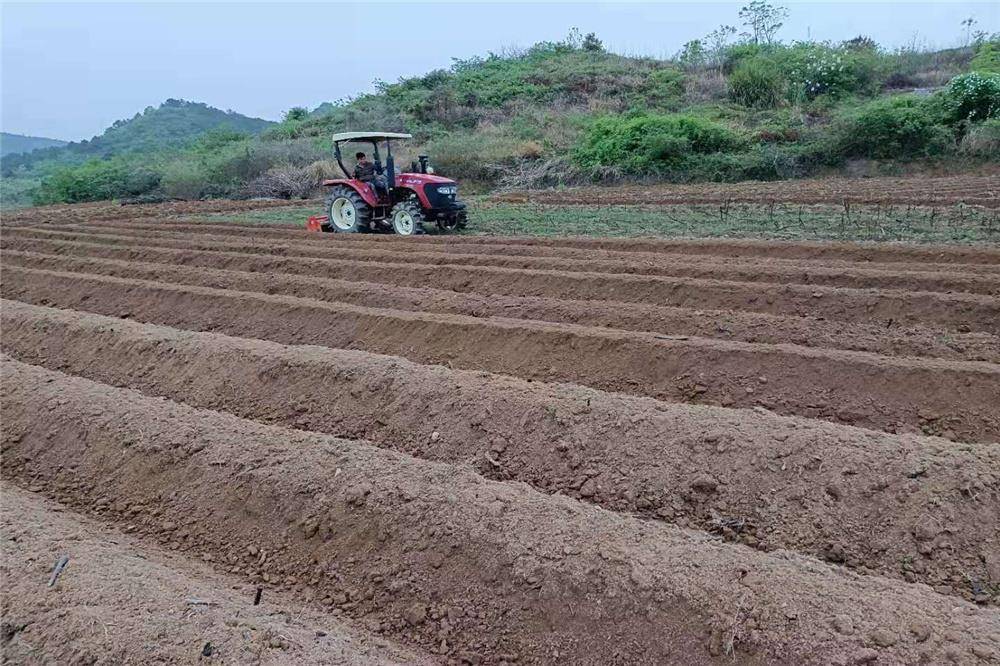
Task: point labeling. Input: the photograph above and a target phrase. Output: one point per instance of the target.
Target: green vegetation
(729, 106)
(858, 222)
(894, 128)
(646, 143)
(126, 160)
(983, 140)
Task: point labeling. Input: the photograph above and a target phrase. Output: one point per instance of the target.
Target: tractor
(398, 202)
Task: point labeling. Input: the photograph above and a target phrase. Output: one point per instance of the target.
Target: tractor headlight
(447, 189)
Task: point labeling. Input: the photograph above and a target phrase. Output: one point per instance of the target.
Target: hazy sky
(70, 70)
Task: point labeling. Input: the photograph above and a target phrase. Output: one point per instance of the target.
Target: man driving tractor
(365, 172)
(372, 197)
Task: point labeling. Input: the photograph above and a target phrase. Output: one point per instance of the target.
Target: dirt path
(398, 540)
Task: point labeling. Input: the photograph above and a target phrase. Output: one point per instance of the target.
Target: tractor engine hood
(414, 180)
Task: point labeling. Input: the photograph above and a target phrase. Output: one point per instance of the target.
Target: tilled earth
(261, 445)
(972, 189)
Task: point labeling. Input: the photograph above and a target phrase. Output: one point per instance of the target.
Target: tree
(296, 113)
(592, 43)
(763, 20)
(969, 24)
(718, 41)
(574, 39)
(692, 55)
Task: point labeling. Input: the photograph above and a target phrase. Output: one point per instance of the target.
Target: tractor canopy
(369, 137)
(373, 138)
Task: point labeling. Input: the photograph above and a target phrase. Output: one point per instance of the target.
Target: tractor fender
(364, 189)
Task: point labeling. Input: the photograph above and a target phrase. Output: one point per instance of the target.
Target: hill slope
(173, 124)
(11, 144)
(571, 112)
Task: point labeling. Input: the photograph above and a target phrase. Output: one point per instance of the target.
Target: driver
(365, 172)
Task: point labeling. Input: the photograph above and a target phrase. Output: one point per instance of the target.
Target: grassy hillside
(11, 144)
(570, 111)
(723, 109)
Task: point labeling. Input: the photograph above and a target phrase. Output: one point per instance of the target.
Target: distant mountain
(18, 143)
(173, 124)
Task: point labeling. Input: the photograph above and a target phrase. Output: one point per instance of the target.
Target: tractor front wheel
(407, 218)
(347, 212)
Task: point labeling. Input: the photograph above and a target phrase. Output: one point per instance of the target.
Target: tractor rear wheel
(346, 211)
(407, 218)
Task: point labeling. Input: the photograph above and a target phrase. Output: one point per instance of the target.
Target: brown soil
(109, 210)
(268, 235)
(625, 454)
(786, 250)
(628, 451)
(981, 190)
(120, 597)
(863, 278)
(955, 398)
(439, 557)
(891, 340)
(969, 312)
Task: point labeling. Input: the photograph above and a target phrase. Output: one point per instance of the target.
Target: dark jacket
(364, 171)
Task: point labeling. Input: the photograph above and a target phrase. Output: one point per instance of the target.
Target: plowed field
(978, 190)
(261, 445)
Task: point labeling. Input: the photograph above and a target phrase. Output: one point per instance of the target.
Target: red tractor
(399, 202)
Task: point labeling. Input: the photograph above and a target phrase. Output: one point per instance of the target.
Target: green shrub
(973, 97)
(184, 179)
(737, 53)
(757, 82)
(895, 128)
(987, 58)
(983, 140)
(763, 75)
(818, 69)
(97, 180)
(665, 86)
(650, 143)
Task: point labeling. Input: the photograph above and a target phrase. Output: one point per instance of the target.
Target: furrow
(407, 543)
(957, 399)
(677, 321)
(871, 501)
(244, 233)
(971, 312)
(149, 605)
(857, 278)
(975, 256)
